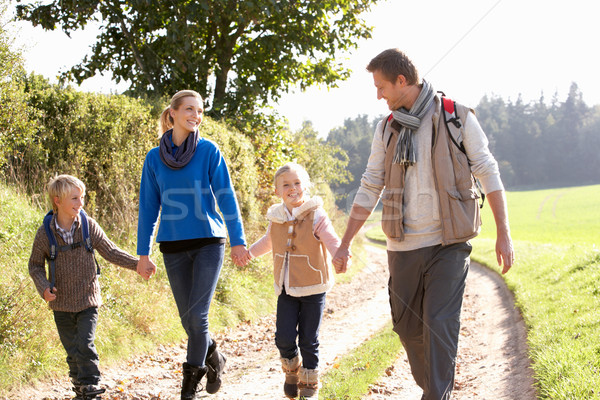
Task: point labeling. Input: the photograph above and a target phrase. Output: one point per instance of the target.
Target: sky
(466, 48)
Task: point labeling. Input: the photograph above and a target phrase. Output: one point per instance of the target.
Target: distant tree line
(537, 144)
(544, 145)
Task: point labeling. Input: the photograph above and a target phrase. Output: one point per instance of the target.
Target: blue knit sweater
(187, 199)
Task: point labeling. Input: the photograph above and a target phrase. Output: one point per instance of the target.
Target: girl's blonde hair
(61, 185)
(166, 121)
(297, 168)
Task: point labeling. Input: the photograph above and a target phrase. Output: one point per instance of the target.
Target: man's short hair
(393, 62)
(61, 185)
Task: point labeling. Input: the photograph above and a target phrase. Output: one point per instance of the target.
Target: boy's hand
(145, 267)
(49, 294)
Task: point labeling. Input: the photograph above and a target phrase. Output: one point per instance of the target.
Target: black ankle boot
(191, 378)
(215, 362)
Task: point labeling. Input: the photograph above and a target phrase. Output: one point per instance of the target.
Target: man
(430, 211)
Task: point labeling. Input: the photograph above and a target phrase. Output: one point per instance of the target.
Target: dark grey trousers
(77, 332)
(426, 289)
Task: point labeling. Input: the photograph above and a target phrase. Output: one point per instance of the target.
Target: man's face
(393, 92)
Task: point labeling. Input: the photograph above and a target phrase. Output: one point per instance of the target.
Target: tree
(355, 139)
(325, 162)
(239, 54)
(15, 126)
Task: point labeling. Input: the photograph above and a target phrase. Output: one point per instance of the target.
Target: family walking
(424, 176)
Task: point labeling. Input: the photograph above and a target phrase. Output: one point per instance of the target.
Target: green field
(561, 216)
(556, 282)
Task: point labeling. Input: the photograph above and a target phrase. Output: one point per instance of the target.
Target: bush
(103, 140)
(99, 138)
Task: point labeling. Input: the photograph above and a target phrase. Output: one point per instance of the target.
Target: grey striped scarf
(410, 121)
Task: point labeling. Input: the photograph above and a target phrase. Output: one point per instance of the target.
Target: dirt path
(492, 361)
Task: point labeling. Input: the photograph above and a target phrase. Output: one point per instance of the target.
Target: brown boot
(290, 367)
(308, 384)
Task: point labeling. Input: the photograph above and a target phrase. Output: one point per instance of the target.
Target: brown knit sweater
(77, 286)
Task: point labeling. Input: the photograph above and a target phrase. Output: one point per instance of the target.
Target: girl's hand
(240, 255)
(341, 259)
(49, 294)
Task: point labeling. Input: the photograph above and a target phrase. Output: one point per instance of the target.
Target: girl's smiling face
(290, 188)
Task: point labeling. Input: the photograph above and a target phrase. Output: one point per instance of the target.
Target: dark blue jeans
(193, 276)
(77, 331)
(299, 317)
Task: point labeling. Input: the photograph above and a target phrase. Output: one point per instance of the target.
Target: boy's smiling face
(71, 204)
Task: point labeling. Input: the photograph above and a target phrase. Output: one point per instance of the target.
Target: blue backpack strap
(53, 247)
(85, 231)
(87, 240)
(50, 234)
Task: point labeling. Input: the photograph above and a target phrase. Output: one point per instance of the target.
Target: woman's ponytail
(166, 121)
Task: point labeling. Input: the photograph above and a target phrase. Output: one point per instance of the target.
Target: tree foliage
(354, 137)
(543, 145)
(537, 144)
(103, 139)
(15, 129)
(239, 54)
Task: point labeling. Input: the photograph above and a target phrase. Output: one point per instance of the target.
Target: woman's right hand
(145, 267)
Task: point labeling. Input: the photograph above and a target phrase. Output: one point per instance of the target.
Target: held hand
(145, 267)
(505, 252)
(341, 260)
(49, 294)
(240, 255)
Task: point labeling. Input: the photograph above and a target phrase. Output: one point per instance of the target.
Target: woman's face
(188, 116)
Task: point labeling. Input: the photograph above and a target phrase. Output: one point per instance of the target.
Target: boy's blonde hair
(297, 168)
(61, 185)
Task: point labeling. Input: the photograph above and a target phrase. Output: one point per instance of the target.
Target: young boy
(72, 289)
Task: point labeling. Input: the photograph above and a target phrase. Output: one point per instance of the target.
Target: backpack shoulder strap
(50, 234)
(85, 231)
(389, 119)
(87, 240)
(453, 122)
(454, 126)
(53, 249)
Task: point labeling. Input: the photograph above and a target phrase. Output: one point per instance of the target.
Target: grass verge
(352, 374)
(557, 288)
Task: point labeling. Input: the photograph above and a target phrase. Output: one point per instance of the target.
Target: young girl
(298, 233)
(184, 179)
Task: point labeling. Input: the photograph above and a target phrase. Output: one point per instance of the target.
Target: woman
(184, 179)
